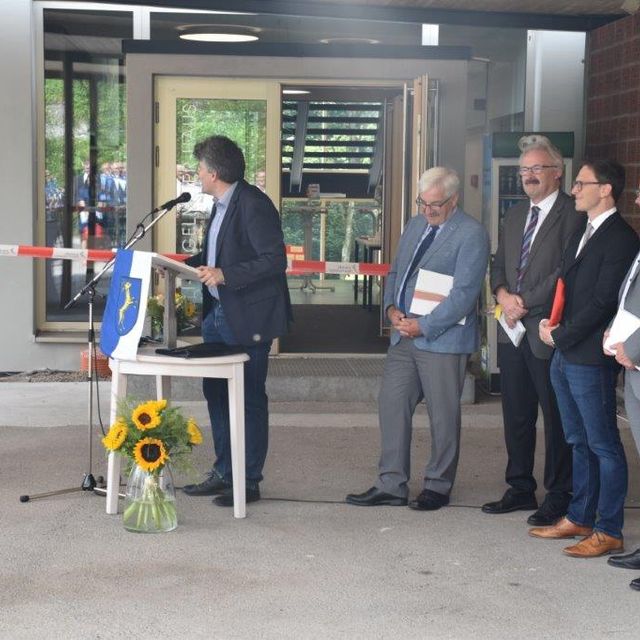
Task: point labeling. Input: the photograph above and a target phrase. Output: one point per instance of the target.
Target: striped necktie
(420, 251)
(526, 245)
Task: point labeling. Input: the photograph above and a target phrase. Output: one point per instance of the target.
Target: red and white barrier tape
(62, 253)
(297, 267)
(303, 267)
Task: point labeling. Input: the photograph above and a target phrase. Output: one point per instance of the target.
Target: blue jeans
(216, 329)
(586, 397)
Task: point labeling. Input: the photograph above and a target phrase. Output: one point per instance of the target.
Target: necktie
(588, 232)
(422, 249)
(526, 245)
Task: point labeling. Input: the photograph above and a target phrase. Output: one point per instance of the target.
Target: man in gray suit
(524, 272)
(627, 353)
(428, 354)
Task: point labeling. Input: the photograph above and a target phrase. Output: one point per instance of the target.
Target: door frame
(405, 144)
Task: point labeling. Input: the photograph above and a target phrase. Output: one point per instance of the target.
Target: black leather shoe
(512, 502)
(225, 499)
(547, 515)
(635, 584)
(213, 485)
(429, 501)
(374, 497)
(627, 561)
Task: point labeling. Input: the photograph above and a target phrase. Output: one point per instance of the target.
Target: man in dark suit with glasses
(524, 271)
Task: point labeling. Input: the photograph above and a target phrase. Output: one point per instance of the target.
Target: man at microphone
(245, 302)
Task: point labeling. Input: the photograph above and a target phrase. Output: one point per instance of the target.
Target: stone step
(315, 379)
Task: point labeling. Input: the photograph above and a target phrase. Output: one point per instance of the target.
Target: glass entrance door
(187, 111)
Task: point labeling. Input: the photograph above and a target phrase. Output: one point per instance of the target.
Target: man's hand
(512, 306)
(409, 328)
(211, 276)
(622, 357)
(395, 316)
(604, 349)
(544, 330)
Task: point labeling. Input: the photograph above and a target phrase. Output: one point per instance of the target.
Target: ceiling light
(349, 41)
(295, 92)
(218, 37)
(430, 35)
(218, 33)
(204, 11)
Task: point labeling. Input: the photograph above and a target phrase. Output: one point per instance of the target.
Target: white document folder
(624, 324)
(431, 289)
(516, 334)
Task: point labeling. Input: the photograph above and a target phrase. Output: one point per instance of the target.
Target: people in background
(428, 353)
(87, 227)
(261, 180)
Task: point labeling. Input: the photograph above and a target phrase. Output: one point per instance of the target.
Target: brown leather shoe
(597, 544)
(564, 528)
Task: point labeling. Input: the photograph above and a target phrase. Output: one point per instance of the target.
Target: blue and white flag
(124, 315)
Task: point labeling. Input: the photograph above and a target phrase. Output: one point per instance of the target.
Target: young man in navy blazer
(583, 377)
(245, 302)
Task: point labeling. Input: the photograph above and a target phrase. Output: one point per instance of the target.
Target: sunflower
(195, 435)
(150, 454)
(145, 416)
(116, 435)
(160, 405)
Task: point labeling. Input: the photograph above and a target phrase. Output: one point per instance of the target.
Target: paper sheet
(517, 333)
(624, 324)
(431, 289)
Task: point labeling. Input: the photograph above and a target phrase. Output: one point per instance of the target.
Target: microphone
(183, 197)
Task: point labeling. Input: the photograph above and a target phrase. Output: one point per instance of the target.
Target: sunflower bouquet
(151, 435)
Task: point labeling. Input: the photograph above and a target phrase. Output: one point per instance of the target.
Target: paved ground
(302, 564)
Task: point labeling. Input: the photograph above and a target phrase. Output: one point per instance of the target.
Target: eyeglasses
(578, 184)
(431, 205)
(536, 169)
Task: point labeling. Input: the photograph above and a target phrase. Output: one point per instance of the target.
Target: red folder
(558, 304)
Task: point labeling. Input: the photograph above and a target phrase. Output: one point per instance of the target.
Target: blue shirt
(221, 206)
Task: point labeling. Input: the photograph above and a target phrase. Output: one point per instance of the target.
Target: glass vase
(150, 502)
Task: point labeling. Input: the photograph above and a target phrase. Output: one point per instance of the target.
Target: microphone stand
(88, 481)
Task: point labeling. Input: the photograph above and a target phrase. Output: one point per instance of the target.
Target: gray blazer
(632, 305)
(543, 266)
(461, 250)
(632, 343)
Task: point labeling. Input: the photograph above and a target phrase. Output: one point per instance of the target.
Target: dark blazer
(250, 251)
(543, 266)
(592, 281)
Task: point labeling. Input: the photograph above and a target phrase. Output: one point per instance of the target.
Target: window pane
(244, 121)
(85, 147)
